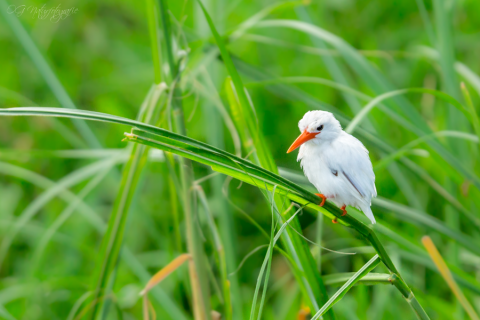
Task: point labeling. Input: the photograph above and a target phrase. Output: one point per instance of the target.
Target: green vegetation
(199, 203)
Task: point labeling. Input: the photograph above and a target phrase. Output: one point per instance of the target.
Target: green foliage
(86, 219)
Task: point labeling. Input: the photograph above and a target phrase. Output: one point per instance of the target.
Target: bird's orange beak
(304, 137)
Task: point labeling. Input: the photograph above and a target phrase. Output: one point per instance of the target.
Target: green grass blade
(213, 112)
(411, 215)
(153, 23)
(265, 268)
(473, 113)
(335, 69)
(445, 46)
(241, 28)
(303, 79)
(409, 146)
(167, 33)
(113, 238)
(463, 70)
(369, 266)
(426, 21)
(67, 133)
(220, 252)
(267, 260)
(198, 272)
(358, 118)
(248, 113)
(62, 218)
(337, 279)
(220, 108)
(471, 77)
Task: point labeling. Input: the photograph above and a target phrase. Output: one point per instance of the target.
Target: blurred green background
(102, 57)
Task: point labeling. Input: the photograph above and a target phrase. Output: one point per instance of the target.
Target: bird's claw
(344, 213)
(323, 199)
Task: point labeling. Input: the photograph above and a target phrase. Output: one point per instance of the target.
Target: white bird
(335, 162)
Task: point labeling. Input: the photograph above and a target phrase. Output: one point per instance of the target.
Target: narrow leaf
(447, 275)
(369, 266)
(165, 272)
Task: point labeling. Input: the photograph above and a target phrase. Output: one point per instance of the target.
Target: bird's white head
(317, 127)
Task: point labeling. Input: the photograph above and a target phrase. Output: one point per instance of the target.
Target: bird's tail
(368, 212)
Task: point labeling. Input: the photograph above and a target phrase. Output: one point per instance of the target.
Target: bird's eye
(320, 128)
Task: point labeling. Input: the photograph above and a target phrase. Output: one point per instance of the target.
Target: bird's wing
(350, 158)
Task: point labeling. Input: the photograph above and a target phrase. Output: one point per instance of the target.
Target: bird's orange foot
(323, 199)
(343, 214)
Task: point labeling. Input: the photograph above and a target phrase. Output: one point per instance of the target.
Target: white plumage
(335, 162)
